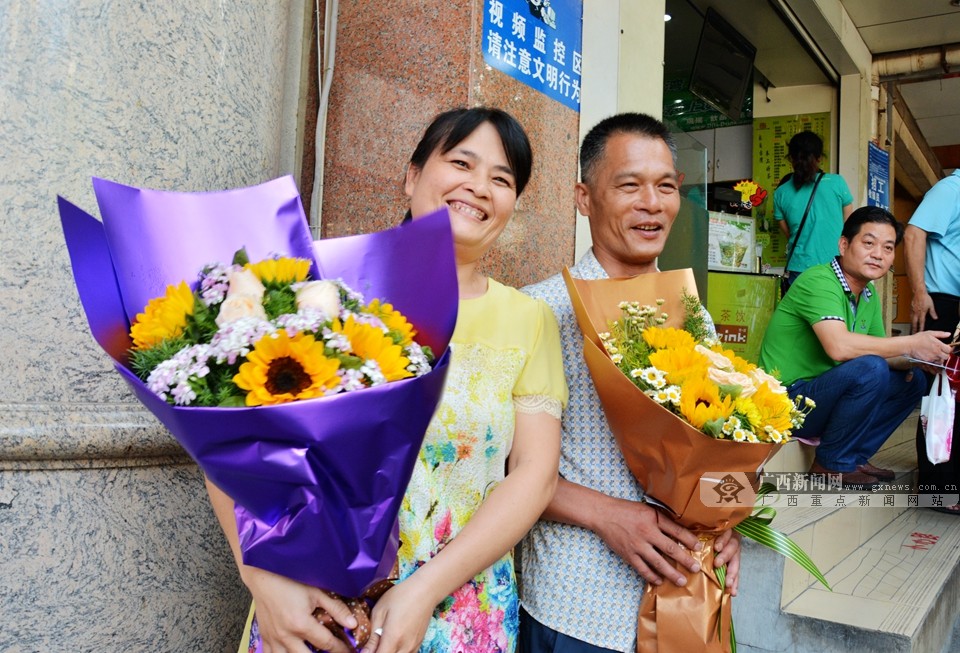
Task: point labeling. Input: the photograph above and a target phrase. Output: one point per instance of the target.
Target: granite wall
(107, 541)
(397, 65)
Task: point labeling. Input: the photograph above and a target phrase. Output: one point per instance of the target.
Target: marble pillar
(107, 541)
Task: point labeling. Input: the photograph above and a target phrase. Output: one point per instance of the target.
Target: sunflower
(668, 338)
(371, 343)
(281, 271)
(700, 403)
(744, 406)
(394, 320)
(775, 409)
(282, 369)
(680, 364)
(163, 318)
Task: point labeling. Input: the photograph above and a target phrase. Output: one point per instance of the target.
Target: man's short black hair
(596, 139)
(867, 214)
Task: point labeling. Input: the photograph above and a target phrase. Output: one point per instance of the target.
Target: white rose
(716, 360)
(771, 382)
(321, 295)
(724, 377)
(245, 282)
(236, 306)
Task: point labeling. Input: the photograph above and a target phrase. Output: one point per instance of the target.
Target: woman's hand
(285, 613)
(401, 616)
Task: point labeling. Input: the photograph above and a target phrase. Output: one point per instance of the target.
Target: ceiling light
(667, 17)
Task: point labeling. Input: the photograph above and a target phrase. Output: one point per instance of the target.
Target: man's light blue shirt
(939, 216)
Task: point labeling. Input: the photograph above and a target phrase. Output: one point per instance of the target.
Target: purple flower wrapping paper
(317, 483)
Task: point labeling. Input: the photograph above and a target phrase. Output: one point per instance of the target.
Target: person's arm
(784, 227)
(847, 210)
(915, 254)
(284, 606)
(640, 534)
(842, 345)
(502, 520)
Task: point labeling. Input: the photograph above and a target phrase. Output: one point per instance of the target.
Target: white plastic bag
(936, 416)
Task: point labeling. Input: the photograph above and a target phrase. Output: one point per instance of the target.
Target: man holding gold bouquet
(827, 340)
(586, 561)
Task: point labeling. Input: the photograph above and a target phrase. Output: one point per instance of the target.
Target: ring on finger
(378, 632)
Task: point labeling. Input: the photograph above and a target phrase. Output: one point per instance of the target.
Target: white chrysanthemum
(661, 397)
(739, 435)
(731, 425)
(653, 377)
(673, 394)
(616, 358)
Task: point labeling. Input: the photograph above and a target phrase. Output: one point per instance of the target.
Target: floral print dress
(506, 357)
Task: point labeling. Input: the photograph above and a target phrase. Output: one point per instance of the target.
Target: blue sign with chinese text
(878, 177)
(537, 42)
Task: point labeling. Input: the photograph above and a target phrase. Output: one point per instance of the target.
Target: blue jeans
(859, 404)
(537, 638)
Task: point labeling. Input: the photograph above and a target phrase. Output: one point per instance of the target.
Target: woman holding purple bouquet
(489, 460)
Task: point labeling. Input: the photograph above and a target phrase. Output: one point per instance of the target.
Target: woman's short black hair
(866, 214)
(452, 127)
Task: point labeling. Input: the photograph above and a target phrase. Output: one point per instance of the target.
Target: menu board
(771, 136)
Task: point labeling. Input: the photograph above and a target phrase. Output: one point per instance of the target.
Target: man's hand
(927, 346)
(727, 552)
(920, 307)
(646, 539)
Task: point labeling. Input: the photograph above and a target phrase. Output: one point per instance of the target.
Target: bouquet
(259, 334)
(695, 424)
(313, 438)
(689, 373)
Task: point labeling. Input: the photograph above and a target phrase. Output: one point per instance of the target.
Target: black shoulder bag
(784, 284)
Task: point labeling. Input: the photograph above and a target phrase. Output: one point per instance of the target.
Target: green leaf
(714, 428)
(730, 389)
(721, 573)
(240, 257)
(279, 301)
(758, 530)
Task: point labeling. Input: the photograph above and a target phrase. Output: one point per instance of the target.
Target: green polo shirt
(790, 345)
